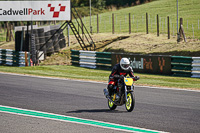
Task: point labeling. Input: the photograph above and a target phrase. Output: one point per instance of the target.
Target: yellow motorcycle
(123, 93)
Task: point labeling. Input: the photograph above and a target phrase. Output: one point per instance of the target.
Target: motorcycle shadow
(97, 111)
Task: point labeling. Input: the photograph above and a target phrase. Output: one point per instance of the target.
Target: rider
(120, 71)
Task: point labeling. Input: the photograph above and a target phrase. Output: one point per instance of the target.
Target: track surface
(156, 109)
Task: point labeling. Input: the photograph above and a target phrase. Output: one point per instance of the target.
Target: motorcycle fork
(114, 97)
(126, 93)
(115, 91)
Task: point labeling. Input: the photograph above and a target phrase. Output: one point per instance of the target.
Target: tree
(99, 3)
(104, 3)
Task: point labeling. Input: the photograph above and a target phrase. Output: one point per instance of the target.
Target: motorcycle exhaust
(107, 96)
(106, 93)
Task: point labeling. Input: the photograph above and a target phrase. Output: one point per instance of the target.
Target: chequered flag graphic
(56, 13)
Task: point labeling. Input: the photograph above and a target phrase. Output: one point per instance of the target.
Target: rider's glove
(137, 78)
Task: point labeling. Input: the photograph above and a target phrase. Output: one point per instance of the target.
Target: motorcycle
(123, 94)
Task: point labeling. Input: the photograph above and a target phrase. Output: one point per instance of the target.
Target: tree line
(107, 3)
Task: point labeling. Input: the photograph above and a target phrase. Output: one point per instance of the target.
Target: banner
(35, 10)
(154, 64)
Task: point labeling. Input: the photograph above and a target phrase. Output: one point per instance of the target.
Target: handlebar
(135, 78)
(122, 77)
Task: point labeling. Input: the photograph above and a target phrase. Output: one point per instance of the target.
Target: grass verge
(72, 72)
(188, 10)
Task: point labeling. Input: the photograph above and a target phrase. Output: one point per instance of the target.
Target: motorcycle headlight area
(130, 88)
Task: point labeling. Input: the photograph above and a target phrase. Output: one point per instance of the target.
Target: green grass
(188, 10)
(2, 36)
(72, 72)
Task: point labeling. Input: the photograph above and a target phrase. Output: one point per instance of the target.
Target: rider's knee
(110, 86)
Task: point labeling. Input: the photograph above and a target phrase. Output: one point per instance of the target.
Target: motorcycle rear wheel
(130, 103)
(111, 105)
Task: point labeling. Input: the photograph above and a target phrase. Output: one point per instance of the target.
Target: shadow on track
(96, 111)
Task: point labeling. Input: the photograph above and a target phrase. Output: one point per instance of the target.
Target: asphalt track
(168, 110)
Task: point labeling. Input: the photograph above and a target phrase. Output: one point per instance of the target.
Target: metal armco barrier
(181, 66)
(186, 66)
(91, 59)
(13, 58)
(196, 67)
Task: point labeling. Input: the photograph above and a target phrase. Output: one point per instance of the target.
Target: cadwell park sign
(146, 63)
(35, 10)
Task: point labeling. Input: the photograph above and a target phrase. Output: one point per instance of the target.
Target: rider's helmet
(125, 63)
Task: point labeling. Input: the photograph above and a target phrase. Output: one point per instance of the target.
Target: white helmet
(125, 63)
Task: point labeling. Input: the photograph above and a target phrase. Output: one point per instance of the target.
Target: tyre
(35, 32)
(111, 105)
(62, 43)
(41, 36)
(37, 46)
(53, 31)
(56, 46)
(26, 47)
(55, 37)
(18, 40)
(41, 30)
(47, 35)
(36, 39)
(130, 103)
(41, 39)
(50, 48)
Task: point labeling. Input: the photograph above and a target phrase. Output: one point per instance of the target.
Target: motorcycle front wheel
(130, 103)
(111, 105)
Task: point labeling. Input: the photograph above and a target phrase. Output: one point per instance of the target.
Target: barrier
(186, 66)
(91, 59)
(181, 66)
(13, 58)
(196, 67)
